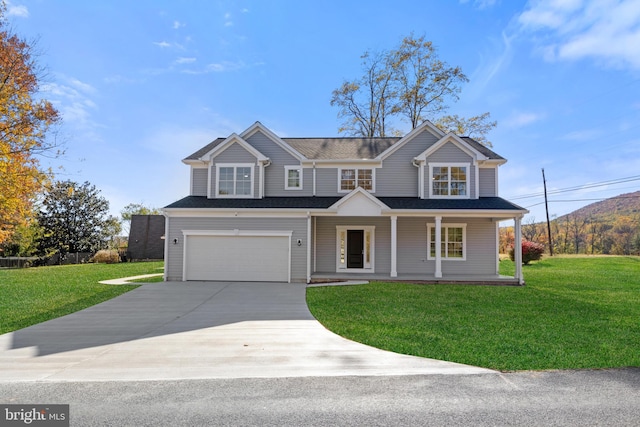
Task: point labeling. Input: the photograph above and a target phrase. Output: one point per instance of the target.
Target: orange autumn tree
(25, 120)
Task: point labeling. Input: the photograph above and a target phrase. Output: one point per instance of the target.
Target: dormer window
(449, 180)
(351, 178)
(234, 180)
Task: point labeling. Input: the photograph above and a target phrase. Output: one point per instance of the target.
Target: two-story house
(265, 208)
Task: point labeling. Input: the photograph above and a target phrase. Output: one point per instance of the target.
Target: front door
(355, 248)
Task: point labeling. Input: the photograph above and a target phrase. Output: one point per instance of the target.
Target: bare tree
(409, 82)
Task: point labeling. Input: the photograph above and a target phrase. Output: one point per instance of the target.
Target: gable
(235, 153)
(449, 144)
(359, 203)
(417, 140)
(449, 153)
(258, 127)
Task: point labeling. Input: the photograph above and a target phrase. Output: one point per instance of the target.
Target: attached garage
(236, 255)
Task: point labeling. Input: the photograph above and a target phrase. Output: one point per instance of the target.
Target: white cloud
(73, 98)
(17, 10)
(481, 4)
(218, 67)
(605, 30)
(177, 25)
(519, 119)
(162, 44)
(583, 135)
(183, 60)
(227, 20)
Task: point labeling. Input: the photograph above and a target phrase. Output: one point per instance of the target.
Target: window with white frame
(293, 177)
(234, 180)
(453, 244)
(352, 178)
(449, 180)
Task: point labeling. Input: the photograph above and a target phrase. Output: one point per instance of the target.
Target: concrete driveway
(198, 330)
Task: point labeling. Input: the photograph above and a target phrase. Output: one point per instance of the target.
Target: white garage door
(237, 258)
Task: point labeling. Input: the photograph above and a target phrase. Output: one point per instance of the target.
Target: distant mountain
(623, 205)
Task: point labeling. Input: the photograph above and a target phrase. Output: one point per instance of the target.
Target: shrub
(106, 257)
(531, 251)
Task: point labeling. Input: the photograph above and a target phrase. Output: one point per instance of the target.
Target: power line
(579, 187)
(584, 200)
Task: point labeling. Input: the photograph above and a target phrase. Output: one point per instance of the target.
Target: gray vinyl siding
(325, 242)
(482, 251)
(235, 154)
(481, 248)
(450, 153)
(173, 259)
(327, 182)
(199, 181)
(398, 177)
(488, 182)
(412, 247)
(274, 173)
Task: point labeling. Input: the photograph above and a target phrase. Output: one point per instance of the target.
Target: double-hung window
(352, 178)
(293, 177)
(234, 180)
(449, 180)
(452, 241)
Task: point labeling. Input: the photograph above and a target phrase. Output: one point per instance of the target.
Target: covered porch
(488, 280)
(406, 239)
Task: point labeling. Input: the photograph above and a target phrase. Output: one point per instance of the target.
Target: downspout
(314, 179)
(418, 163)
(263, 164)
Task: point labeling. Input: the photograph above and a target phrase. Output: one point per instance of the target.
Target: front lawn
(574, 312)
(33, 295)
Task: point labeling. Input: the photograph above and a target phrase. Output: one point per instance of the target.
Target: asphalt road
(557, 398)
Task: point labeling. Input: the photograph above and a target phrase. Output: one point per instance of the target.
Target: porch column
(394, 245)
(438, 243)
(308, 247)
(517, 248)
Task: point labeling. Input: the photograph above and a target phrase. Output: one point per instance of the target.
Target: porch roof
(395, 203)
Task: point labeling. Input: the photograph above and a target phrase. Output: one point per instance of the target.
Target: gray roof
(343, 148)
(340, 148)
(401, 203)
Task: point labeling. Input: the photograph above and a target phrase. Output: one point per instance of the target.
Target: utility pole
(546, 206)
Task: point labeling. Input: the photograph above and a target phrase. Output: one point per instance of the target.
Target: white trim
(166, 247)
(314, 179)
(357, 169)
(517, 248)
(309, 217)
(394, 246)
(286, 176)
(368, 267)
(438, 246)
(446, 225)
(251, 166)
(449, 166)
(497, 243)
(238, 232)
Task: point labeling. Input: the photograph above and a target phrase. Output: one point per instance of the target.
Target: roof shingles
(397, 203)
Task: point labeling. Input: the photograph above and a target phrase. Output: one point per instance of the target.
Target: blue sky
(142, 84)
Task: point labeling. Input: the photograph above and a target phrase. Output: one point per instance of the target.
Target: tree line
(576, 234)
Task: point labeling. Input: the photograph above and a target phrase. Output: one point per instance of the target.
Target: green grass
(33, 295)
(574, 312)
